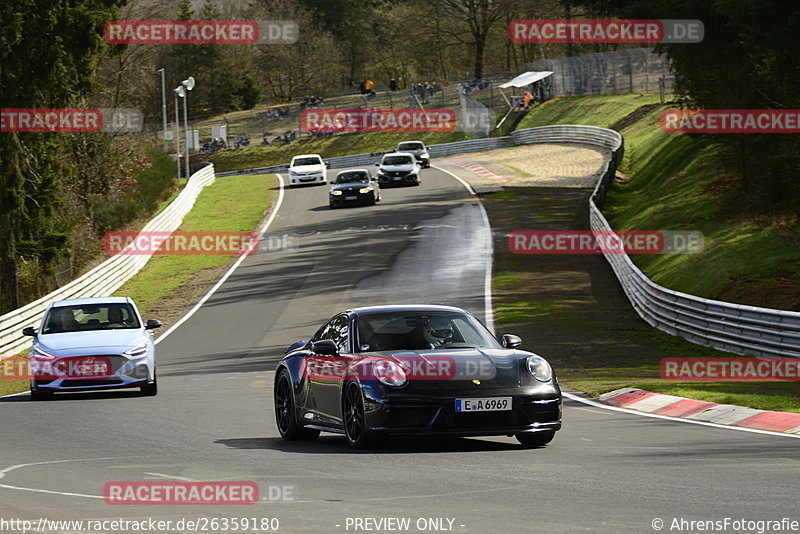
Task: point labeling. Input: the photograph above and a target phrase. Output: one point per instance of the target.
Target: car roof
(411, 141)
(409, 154)
(352, 170)
(91, 300)
(365, 310)
(307, 156)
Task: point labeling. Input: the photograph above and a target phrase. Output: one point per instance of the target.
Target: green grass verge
(589, 110)
(327, 147)
(233, 204)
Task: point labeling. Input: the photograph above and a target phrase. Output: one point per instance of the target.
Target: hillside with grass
(678, 182)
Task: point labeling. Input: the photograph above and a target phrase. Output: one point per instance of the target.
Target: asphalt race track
(213, 419)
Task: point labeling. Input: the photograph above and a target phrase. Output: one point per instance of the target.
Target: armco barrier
(106, 277)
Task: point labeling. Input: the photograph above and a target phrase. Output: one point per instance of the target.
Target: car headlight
(389, 373)
(364, 190)
(336, 193)
(540, 369)
(39, 353)
(138, 350)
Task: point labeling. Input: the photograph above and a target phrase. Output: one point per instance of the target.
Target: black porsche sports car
(382, 371)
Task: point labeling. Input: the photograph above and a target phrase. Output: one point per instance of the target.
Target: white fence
(106, 277)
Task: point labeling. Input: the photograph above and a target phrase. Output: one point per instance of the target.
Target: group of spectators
(277, 113)
(424, 92)
(312, 102)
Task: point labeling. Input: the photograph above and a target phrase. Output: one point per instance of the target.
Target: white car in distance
(307, 169)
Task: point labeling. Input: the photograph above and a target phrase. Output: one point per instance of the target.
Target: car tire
(353, 419)
(285, 416)
(151, 389)
(332, 206)
(41, 395)
(533, 440)
(373, 200)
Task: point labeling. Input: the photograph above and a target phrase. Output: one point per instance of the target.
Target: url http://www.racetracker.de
(141, 526)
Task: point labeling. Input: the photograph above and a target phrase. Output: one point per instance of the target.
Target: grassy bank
(602, 111)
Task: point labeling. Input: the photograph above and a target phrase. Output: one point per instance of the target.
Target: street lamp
(179, 92)
(187, 85)
(163, 107)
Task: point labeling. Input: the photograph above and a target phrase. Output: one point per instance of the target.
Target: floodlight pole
(163, 107)
(177, 135)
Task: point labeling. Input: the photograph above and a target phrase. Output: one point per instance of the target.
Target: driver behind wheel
(438, 331)
(115, 316)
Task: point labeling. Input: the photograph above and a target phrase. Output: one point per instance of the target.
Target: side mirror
(377, 164)
(152, 323)
(29, 331)
(297, 344)
(325, 347)
(510, 341)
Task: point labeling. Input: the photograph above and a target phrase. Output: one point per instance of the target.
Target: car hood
(93, 342)
(353, 185)
(499, 367)
(307, 168)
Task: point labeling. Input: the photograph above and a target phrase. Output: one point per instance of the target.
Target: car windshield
(306, 161)
(81, 318)
(410, 146)
(421, 330)
(352, 177)
(396, 160)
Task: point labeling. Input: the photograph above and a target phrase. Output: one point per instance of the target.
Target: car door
(327, 383)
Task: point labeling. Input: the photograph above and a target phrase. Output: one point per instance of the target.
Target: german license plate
(351, 198)
(397, 178)
(484, 404)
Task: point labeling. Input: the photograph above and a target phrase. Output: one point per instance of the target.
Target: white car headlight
(364, 190)
(389, 373)
(336, 193)
(138, 350)
(540, 369)
(39, 353)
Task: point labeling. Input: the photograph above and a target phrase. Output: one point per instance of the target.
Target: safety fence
(106, 277)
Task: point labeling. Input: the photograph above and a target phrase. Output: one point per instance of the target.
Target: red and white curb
(481, 171)
(695, 410)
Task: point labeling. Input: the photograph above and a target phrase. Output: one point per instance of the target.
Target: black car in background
(376, 372)
(354, 187)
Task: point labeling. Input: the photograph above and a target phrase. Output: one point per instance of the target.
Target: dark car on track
(390, 371)
(353, 187)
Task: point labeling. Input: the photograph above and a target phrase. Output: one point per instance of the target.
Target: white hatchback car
(307, 169)
(92, 343)
(398, 168)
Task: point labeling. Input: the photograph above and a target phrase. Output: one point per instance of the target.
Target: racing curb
(722, 414)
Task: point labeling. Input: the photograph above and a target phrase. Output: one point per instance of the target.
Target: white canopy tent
(523, 80)
(526, 78)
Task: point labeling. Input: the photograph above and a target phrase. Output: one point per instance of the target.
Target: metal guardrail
(106, 277)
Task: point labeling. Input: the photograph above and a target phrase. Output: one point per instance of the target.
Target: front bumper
(310, 179)
(351, 199)
(125, 372)
(398, 180)
(437, 417)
